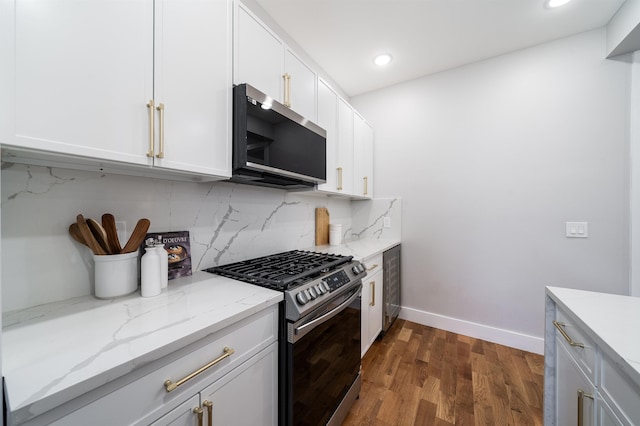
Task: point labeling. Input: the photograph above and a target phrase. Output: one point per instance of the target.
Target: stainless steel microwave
(273, 145)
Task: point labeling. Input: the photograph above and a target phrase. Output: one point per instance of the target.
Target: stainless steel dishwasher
(391, 286)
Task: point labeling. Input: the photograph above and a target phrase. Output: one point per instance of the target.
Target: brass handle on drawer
(170, 385)
(150, 105)
(375, 265)
(339, 187)
(581, 396)
(373, 293)
(198, 413)
(569, 340)
(287, 90)
(366, 185)
(160, 109)
(209, 406)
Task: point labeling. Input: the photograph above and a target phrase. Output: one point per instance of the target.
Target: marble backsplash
(227, 222)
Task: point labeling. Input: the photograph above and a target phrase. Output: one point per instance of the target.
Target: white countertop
(53, 353)
(612, 320)
(359, 249)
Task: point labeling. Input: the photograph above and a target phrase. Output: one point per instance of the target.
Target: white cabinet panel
(328, 120)
(302, 86)
(362, 157)
(81, 82)
(193, 42)
(570, 379)
(258, 55)
(183, 415)
(345, 148)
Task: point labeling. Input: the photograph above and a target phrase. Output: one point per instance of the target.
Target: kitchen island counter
(56, 352)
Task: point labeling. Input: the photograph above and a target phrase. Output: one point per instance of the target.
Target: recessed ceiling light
(555, 3)
(382, 59)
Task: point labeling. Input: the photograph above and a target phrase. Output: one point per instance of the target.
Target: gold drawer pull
(366, 185)
(170, 385)
(209, 407)
(160, 109)
(150, 105)
(562, 331)
(581, 396)
(198, 412)
(339, 187)
(374, 266)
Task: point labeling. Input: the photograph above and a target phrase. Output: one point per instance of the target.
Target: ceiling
(423, 36)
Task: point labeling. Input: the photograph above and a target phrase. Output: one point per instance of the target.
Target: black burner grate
(283, 270)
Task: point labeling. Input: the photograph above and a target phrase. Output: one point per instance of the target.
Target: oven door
(323, 353)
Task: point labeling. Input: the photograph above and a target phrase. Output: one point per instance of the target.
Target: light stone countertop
(359, 249)
(55, 352)
(611, 320)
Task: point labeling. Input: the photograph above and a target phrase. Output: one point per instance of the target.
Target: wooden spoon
(88, 237)
(137, 237)
(99, 234)
(109, 225)
(76, 234)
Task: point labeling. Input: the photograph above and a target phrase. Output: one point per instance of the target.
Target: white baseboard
(479, 331)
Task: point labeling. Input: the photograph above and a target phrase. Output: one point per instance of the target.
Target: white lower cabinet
(372, 302)
(586, 386)
(240, 382)
(221, 404)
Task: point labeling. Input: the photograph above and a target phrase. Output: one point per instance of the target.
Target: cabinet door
(302, 86)
(375, 306)
(345, 148)
(193, 85)
(183, 415)
(606, 416)
(569, 381)
(258, 55)
(76, 82)
(328, 120)
(247, 396)
(363, 157)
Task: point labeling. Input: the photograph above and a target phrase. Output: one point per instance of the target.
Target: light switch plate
(577, 229)
(387, 222)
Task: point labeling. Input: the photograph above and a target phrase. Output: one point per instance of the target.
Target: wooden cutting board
(322, 226)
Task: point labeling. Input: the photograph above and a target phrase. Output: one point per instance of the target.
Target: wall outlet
(386, 222)
(577, 229)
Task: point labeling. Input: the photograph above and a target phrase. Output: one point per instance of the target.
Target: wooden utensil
(109, 225)
(322, 226)
(88, 237)
(137, 237)
(76, 234)
(99, 234)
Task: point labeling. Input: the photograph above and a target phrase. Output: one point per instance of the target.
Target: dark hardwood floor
(419, 375)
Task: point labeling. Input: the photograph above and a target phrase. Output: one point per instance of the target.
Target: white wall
(491, 160)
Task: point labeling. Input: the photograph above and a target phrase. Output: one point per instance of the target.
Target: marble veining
(111, 338)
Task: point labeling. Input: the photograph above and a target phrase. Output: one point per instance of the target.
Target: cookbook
(178, 248)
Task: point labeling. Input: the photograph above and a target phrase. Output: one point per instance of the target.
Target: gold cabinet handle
(209, 406)
(170, 385)
(287, 89)
(160, 109)
(339, 187)
(581, 396)
(373, 293)
(366, 185)
(374, 266)
(559, 326)
(198, 413)
(150, 105)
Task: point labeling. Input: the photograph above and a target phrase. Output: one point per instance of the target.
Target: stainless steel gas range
(319, 330)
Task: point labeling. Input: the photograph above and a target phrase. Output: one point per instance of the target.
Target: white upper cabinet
(264, 61)
(79, 77)
(81, 82)
(328, 120)
(345, 148)
(300, 86)
(258, 55)
(362, 157)
(193, 85)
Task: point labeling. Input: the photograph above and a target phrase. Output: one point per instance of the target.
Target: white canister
(335, 234)
(115, 274)
(150, 283)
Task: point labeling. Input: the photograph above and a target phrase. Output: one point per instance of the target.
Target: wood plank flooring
(419, 375)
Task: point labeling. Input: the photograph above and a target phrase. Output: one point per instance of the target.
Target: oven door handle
(332, 313)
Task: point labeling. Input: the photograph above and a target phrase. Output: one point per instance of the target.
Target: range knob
(325, 286)
(312, 292)
(355, 269)
(320, 289)
(302, 298)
